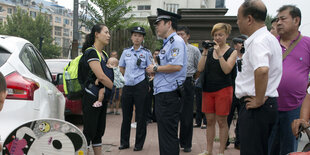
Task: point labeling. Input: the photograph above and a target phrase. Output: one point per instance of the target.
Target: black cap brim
(138, 31)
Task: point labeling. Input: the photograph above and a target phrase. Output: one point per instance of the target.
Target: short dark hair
(250, 7)
(183, 28)
(157, 49)
(2, 83)
(273, 20)
(174, 23)
(294, 11)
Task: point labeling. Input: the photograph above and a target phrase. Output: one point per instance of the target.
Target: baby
(118, 80)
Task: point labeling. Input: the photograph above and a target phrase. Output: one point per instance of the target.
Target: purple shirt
(295, 75)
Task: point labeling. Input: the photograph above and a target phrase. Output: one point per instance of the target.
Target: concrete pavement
(111, 140)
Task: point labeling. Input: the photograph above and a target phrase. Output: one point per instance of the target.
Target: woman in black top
(217, 64)
(94, 118)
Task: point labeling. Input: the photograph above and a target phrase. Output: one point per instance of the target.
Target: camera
(239, 65)
(240, 41)
(242, 50)
(139, 62)
(208, 44)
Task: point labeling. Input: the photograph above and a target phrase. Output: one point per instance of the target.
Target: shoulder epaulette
(127, 48)
(145, 49)
(171, 40)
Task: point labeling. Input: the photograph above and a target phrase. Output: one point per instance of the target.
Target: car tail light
(19, 87)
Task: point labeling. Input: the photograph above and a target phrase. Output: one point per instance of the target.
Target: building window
(172, 7)
(1, 9)
(66, 43)
(66, 32)
(57, 31)
(144, 7)
(220, 4)
(10, 10)
(33, 14)
(58, 41)
(57, 19)
(66, 21)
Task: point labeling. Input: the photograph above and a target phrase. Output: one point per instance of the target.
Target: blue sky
(272, 7)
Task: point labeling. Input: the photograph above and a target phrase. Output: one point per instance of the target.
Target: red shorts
(218, 102)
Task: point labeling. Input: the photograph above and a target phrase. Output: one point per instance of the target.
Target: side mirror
(58, 79)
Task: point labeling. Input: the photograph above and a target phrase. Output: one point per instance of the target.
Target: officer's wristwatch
(155, 68)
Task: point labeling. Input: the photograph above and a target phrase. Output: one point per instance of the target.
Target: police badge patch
(128, 54)
(162, 51)
(175, 52)
(141, 56)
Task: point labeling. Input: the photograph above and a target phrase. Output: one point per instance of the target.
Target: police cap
(162, 14)
(138, 29)
(240, 39)
(237, 40)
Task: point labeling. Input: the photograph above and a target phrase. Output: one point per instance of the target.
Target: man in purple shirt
(293, 85)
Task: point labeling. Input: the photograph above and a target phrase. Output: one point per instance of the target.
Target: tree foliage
(268, 21)
(22, 25)
(109, 12)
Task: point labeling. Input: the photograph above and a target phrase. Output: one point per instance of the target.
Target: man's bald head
(255, 8)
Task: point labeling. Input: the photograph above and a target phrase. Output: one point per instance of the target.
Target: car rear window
(4, 56)
(56, 66)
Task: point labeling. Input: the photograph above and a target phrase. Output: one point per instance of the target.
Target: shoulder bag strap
(289, 50)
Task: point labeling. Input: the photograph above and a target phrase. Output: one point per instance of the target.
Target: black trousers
(255, 127)
(186, 117)
(168, 106)
(199, 114)
(134, 95)
(94, 119)
(150, 106)
(235, 105)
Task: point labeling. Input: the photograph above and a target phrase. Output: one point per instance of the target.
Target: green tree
(268, 21)
(109, 12)
(22, 25)
(2, 31)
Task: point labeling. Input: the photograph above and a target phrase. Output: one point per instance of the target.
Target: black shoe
(196, 125)
(149, 121)
(237, 146)
(187, 149)
(122, 147)
(137, 149)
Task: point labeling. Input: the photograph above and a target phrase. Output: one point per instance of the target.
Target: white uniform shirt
(262, 49)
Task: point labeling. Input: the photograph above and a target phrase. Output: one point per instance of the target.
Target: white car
(31, 93)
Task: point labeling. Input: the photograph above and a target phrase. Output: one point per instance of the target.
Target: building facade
(61, 19)
(144, 8)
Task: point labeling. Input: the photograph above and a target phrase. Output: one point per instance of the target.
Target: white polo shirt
(262, 49)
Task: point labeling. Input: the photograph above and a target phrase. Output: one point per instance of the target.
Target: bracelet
(220, 57)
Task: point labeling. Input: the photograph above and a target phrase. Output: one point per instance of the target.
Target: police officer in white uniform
(170, 74)
(133, 63)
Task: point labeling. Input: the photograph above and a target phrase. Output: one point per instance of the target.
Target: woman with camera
(216, 65)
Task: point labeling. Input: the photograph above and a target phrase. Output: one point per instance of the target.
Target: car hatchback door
(51, 103)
